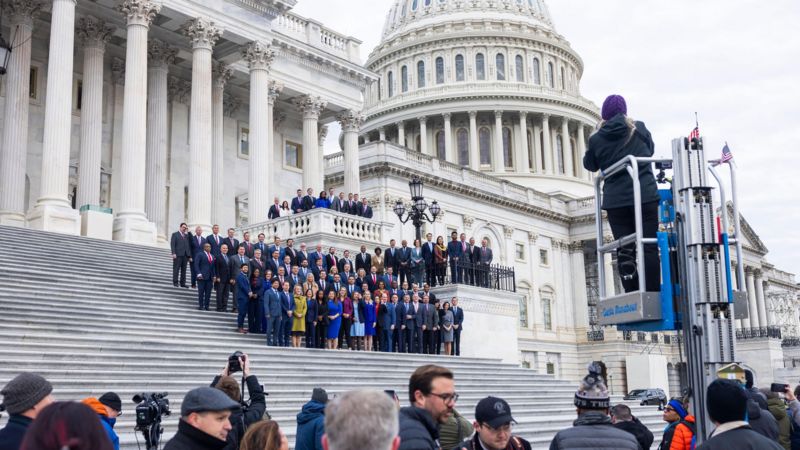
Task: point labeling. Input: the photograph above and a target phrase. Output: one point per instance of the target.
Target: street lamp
(416, 214)
(5, 48)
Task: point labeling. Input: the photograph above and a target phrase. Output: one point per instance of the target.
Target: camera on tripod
(150, 407)
(234, 365)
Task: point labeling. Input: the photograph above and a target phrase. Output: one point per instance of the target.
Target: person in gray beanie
(593, 428)
(24, 398)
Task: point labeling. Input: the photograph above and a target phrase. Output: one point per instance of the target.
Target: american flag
(695, 133)
(726, 154)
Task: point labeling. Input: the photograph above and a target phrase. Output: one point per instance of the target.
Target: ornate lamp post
(5, 47)
(416, 213)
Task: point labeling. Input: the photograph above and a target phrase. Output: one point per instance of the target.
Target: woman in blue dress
(357, 328)
(334, 320)
(370, 319)
(322, 201)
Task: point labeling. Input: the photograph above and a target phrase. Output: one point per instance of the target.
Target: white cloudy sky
(735, 62)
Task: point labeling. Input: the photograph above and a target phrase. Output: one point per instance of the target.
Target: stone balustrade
(315, 34)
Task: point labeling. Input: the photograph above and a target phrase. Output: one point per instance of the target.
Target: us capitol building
(124, 118)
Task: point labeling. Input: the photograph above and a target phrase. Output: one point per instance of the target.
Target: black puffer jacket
(610, 144)
(418, 431)
(191, 438)
(743, 438)
(593, 431)
(639, 431)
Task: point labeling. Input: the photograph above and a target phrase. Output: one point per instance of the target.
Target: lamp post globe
(417, 212)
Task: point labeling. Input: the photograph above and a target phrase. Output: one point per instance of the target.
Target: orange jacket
(682, 439)
(96, 406)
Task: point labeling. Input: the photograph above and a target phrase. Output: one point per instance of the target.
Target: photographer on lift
(250, 412)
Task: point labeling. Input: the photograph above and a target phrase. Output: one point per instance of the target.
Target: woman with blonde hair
(299, 316)
(264, 435)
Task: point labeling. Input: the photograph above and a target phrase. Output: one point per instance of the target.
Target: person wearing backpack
(679, 433)
(778, 410)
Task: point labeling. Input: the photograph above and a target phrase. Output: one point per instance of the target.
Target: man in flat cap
(24, 398)
(204, 423)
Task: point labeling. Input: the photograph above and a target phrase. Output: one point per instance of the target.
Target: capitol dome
(484, 84)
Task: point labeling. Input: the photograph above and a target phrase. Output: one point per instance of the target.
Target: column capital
(139, 12)
(22, 11)
(201, 32)
(351, 121)
(532, 237)
(278, 119)
(178, 90)
(275, 90)
(423, 119)
(576, 246)
(311, 106)
(446, 116)
(758, 273)
(401, 124)
(231, 104)
(473, 114)
(508, 231)
(93, 32)
(468, 221)
(748, 270)
(118, 71)
(321, 135)
(160, 54)
(221, 73)
(523, 115)
(546, 117)
(259, 56)
(498, 114)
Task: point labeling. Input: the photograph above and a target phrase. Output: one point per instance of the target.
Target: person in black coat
(620, 136)
(241, 418)
(391, 257)
(622, 418)
(198, 428)
(274, 210)
(311, 318)
(181, 249)
(223, 279)
(196, 243)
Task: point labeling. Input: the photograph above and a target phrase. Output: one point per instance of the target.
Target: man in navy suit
(180, 247)
(409, 325)
(387, 318)
(316, 255)
(366, 210)
(274, 314)
(248, 246)
(308, 200)
(287, 308)
(276, 245)
(274, 261)
(243, 294)
(389, 278)
(290, 252)
(484, 261)
(204, 266)
(196, 242)
(274, 210)
(223, 280)
(390, 258)
(261, 245)
(297, 202)
(458, 325)
(404, 261)
(302, 255)
(233, 243)
(339, 204)
(363, 260)
(215, 240)
(427, 256)
(454, 252)
(331, 260)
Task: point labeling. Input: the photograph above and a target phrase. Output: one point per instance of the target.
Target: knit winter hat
(319, 395)
(613, 105)
(678, 407)
(726, 401)
(592, 393)
(24, 392)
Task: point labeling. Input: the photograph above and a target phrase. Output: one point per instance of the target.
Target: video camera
(150, 407)
(234, 365)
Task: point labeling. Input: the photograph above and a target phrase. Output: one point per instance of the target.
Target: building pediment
(749, 237)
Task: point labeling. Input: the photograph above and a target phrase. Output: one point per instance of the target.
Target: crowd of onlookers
(217, 417)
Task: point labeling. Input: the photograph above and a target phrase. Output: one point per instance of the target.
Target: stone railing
(759, 333)
(316, 35)
(387, 152)
(582, 206)
(324, 226)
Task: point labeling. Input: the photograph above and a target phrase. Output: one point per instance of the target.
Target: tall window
(519, 69)
(440, 150)
(480, 67)
(547, 316)
(531, 152)
(404, 78)
(560, 154)
(427, 2)
(551, 77)
(485, 145)
(563, 79)
(541, 151)
(439, 70)
(459, 67)
(523, 312)
(390, 83)
(293, 155)
(414, 5)
(537, 76)
(421, 74)
(462, 145)
(508, 157)
(500, 64)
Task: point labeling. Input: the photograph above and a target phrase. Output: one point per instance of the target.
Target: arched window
(537, 76)
(414, 5)
(531, 152)
(500, 65)
(480, 67)
(560, 154)
(547, 315)
(462, 146)
(551, 76)
(440, 150)
(519, 69)
(404, 78)
(485, 145)
(508, 156)
(439, 70)
(459, 67)
(390, 83)
(421, 74)
(563, 79)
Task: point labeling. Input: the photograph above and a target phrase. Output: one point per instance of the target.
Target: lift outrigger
(697, 296)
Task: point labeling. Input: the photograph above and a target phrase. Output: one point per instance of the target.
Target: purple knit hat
(614, 105)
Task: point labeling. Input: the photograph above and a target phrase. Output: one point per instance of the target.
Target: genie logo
(620, 309)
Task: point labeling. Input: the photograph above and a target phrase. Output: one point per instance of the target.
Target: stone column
(498, 164)
(537, 149)
(94, 34)
(449, 151)
(259, 57)
(548, 166)
(401, 136)
(760, 300)
(578, 282)
(53, 211)
(423, 135)
(523, 162)
(566, 146)
(203, 34)
(351, 122)
(381, 134)
(581, 150)
(752, 302)
(609, 275)
(474, 152)
(311, 107)
(160, 56)
(554, 149)
(220, 74)
(14, 150)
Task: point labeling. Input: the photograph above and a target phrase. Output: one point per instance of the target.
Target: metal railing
(595, 336)
(759, 333)
(490, 276)
(791, 341)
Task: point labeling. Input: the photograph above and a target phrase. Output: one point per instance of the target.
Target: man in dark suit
(274, 262)
(302, 255)
(287, 307)
(276, 245)
(317, 254)
(410, 311)
(204, 266)
(468, 260)
(258, 263)
(366, 210)
(274, 210)
(223, 280)
(340, 204)
(454, 253)
(373, 278)
(304, 270)
(215, 240)
(363, 260)
(297, 202)
(233, 243)
(390, 257)
(401, 313)
(331, 260)
(387, 319)
(196, 242)
(274, 312)
(484, 261)
(261, 245)
(243, 295)
(308, 200)
(248, 246)
(322, 282)
(335, 285)
(236, 262)
(181, 249)
(429, 324)
(427, 256)
(352, 287)
(390, 278)
(294, 278)
(290, 252)
(357, 207)
(404, 261)
(458, 325)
